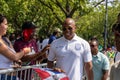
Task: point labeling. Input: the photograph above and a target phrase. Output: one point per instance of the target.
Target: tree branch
(50, 7)
(72, 11)
(99, 3)
(44, 4)
(59, 5)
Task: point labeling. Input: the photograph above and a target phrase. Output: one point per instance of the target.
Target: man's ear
(74, 28)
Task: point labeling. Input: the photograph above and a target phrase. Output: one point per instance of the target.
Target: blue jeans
(3, 77)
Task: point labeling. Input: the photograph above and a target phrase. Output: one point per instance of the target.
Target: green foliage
(49, 14)
(93, 23)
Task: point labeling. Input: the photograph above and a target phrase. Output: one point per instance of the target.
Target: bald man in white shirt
(71, 53)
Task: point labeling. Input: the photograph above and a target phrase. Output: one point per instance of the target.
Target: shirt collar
(73, 39)
(96, 55)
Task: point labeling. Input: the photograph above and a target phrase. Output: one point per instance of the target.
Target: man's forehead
(69, 21)
(93, 42)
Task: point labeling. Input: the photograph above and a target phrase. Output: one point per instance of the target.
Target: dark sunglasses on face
(69, 28)
(92, 45)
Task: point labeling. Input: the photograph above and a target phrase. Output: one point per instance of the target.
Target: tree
(65, 7)
(49, 14)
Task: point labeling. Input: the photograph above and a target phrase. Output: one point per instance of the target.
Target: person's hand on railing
(17, 64)
(58, 70)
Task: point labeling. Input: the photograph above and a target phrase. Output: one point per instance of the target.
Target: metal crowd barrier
(23, 73)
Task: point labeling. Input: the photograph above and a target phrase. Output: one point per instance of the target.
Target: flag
(49, 74)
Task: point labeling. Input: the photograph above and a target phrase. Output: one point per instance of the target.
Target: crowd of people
(74, 55)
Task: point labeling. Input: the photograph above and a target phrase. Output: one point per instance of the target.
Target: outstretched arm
(37, 55)
(7, 52)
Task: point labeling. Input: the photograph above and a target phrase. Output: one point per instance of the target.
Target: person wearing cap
(27, 40)
(28, 30)
(54, 35)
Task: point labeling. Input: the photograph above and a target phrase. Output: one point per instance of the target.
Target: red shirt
(20, 44)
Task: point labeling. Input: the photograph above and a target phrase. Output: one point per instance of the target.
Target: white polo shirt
(70, 55)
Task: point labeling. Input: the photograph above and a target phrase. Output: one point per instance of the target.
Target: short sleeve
(106, 64)
(87, 56)
(51, 54)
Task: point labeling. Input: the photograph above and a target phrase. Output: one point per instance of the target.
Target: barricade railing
(23, 73)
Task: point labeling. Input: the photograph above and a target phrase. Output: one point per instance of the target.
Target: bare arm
(30, 57)
(4, 50)
(88, 68)
(105, 75)
(37, 55)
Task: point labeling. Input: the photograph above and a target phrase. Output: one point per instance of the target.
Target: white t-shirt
(39, 45)
(70, 55)
(44, 43)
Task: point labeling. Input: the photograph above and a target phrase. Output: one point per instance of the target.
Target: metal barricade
(24, 73)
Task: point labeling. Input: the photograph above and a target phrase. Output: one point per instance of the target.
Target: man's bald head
(69, 21)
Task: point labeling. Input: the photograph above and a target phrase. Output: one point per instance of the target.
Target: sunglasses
(92, 45)
(69, 28)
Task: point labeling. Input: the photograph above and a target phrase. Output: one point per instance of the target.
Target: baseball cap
(28, 24)
(57, 30)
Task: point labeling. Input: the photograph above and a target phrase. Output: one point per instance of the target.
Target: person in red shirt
(27, 40)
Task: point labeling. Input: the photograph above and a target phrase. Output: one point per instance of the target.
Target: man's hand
(59, 70)
(42, 53)
(26, 50)
(45, 48)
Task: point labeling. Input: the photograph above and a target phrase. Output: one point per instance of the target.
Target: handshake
(30, 50)
(26, 50)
